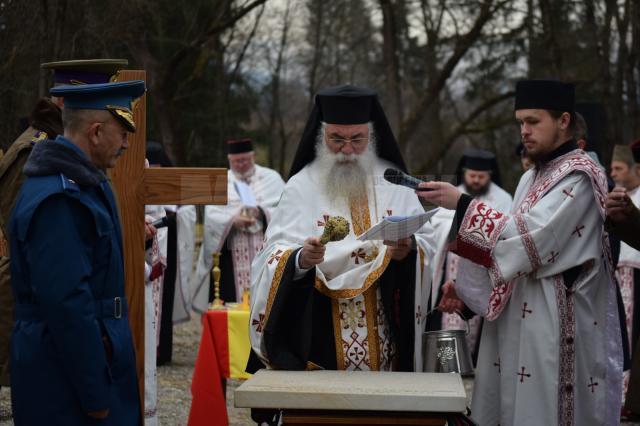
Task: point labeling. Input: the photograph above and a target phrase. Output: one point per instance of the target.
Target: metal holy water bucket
(446, 351)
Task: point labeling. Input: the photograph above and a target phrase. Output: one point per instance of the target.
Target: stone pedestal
(341, 397)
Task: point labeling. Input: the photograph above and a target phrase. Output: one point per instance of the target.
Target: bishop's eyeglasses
(355, 142)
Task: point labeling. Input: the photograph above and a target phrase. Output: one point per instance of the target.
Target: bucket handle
(457, 311)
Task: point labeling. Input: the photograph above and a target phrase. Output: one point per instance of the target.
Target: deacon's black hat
(239, 146)
(545, 94)
(347, 105)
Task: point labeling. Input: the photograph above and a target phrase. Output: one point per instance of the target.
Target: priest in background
(542, 276)
(480, 176)
(235, 230)
(626, 174)
(349, 305)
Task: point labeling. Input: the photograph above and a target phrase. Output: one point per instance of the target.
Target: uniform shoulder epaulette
(38, 137)
(69, 185)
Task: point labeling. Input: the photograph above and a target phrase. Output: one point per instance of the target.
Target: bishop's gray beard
(346, 176)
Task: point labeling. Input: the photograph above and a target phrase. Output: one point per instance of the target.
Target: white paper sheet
(246, 194)
(394, 228)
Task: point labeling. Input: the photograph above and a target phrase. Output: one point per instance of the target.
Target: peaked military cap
(117, 98)
(85, 71)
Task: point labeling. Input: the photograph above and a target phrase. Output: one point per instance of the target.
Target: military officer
(72, 358)
(45, 121)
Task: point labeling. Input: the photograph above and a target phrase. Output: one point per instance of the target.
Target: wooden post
(136, 186)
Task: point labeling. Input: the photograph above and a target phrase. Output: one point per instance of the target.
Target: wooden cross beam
(135, 187)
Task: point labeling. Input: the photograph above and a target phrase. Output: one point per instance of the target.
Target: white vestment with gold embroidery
(350, 269)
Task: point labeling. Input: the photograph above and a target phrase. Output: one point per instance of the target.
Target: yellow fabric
(239, 345)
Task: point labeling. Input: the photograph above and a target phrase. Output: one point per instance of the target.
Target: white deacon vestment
(549, 354)
(156, 257)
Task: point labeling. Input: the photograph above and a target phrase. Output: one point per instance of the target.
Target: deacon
(72, 356)
(349, 304)
(45, 122)
(180, 224)
(237, 229)
(155, 266)
(542, 276)
(480, 175)
(626, 174)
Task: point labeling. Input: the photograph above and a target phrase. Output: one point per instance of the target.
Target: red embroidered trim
(479, 233)
(527, 241)
(557, 169)
(566, 382)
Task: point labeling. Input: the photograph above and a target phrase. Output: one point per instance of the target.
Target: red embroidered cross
(326, 218)
(358, 254)
(418, 315)
(275, 256)
(525, 311)
(577, 231)
(553, 257)
(259, 322)
(568, 193)
(497, 364)
(522, 374)
(592, 385)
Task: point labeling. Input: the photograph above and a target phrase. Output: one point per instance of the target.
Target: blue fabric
(98, 96)
(66, 256)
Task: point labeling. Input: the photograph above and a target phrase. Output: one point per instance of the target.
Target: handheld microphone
(162, 222)
(398, 177)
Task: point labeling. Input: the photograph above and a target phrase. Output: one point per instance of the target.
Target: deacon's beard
(346, 176)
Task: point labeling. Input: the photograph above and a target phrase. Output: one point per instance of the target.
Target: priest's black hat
(480, 160)
(347, 105)
(239, 146)
(545, 94)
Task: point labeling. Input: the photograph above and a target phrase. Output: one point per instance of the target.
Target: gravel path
(174, 394)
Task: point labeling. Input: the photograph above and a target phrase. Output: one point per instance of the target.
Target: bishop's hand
(312, 253)
(398, 250)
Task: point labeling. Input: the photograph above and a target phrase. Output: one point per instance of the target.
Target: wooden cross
(522, 374)
(135, 187)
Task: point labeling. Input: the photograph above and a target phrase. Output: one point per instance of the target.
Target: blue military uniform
(71, 349)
